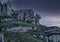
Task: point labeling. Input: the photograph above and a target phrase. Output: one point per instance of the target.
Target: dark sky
(52, 6)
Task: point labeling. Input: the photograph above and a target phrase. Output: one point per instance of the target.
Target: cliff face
(20, 26)
(26, 15)
(21, 29)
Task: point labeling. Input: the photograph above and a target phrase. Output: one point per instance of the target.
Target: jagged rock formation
(19, 26)
(5, 7)
(27, 15)
(52, 33)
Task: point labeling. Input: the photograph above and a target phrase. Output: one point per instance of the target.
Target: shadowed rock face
(27, 15)
(53, 34)
(5, 7)
(1, 37)
(53, 30)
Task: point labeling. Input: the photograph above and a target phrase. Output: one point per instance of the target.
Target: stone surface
(1, 37)
(21, 29)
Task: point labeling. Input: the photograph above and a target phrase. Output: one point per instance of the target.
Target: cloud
(51, 21)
